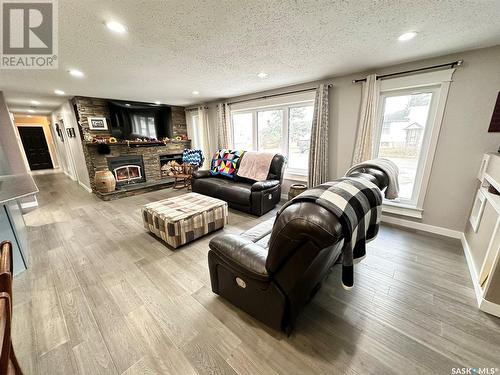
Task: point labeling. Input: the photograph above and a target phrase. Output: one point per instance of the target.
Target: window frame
(439, 83)
(285, 107)
(424, 148)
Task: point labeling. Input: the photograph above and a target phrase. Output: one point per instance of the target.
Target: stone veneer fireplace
(151, 174)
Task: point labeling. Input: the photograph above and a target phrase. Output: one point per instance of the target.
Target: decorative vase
(104, 181)
(295, 190)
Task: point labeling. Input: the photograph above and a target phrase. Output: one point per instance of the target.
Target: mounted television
(130, 120)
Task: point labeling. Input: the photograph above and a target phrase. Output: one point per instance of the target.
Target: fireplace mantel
(183, 144)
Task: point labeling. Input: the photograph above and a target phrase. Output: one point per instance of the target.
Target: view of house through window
(405, 119)
(283, 129)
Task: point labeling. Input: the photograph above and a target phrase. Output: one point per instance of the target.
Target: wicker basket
(295, 190)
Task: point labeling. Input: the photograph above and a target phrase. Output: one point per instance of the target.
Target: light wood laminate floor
(102, 296)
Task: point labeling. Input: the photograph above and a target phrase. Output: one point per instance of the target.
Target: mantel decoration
(97, 123)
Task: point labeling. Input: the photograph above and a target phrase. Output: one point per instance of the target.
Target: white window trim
(401, 209)
(283, 103)
(442, 80)
(294, 176)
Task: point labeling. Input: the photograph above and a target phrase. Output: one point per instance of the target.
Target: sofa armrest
(264, 185)
(241, 253)
(203, 173)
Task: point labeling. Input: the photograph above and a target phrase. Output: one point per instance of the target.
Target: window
(243, 131)
(270, 130)
(299, 136)
(405, 116)
(143, 126)
(283, 128)
(410, 113)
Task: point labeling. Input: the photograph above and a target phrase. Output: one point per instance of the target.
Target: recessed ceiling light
(116, 27)
(76, 73)
(196, 93)
(157, 102)
(59, 92)
(407, 36)
(31, 110)
(127, 104)
(35, 102)
(262, 75)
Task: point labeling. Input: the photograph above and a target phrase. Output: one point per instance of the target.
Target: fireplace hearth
(127, 169)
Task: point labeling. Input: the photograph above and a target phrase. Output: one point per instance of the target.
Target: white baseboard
(423, 227)
(70, 176)
(32, 204)
(489, 307)
(46, 171)
(89, 190)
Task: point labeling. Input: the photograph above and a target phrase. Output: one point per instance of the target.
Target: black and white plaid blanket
(357, 203)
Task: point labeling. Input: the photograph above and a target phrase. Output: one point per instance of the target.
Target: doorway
(35, 147)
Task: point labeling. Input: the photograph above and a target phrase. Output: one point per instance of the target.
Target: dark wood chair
(183, 176)
(8, 361)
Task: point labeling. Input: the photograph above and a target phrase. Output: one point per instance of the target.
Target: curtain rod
(450, 64)
(189, 109)
(275, 95)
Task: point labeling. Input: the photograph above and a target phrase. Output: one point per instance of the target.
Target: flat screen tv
(130, 120)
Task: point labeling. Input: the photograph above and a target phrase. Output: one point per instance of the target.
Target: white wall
(462, 141)
(11, 155)
(71, 150)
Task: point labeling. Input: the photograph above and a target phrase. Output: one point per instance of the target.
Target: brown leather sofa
(242, 194)
(273, 269)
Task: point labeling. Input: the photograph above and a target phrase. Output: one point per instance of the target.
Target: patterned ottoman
(184, 218)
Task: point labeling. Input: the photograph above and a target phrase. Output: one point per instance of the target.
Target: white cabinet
(482, 236)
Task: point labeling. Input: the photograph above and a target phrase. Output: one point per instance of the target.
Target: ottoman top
(183, 206)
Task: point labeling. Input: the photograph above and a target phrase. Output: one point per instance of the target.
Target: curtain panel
(224, 133)
(367, 126)
(190, 127)
(204, 139)
(318, 151)
(199, 133)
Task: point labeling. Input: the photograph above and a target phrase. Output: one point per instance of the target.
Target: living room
(265, 187)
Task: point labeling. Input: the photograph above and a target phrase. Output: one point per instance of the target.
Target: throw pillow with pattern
(225, 162)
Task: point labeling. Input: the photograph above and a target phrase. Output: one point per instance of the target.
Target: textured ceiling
(217, 47)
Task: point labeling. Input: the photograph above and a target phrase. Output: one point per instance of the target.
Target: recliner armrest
(264, 185)
(204, 173)
(242, 253)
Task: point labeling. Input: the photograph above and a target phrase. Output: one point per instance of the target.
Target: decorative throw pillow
(225, 162)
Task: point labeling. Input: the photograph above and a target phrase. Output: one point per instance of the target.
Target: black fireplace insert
(127, 169)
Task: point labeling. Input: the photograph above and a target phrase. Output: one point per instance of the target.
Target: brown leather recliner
(243, 194)
(273, 269)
